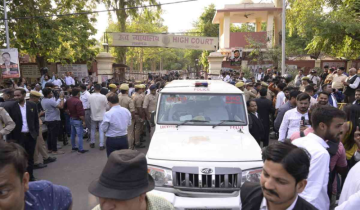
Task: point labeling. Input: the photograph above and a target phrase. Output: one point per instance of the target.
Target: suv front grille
(221, 180)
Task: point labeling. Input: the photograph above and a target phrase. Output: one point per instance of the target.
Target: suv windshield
(202, 109)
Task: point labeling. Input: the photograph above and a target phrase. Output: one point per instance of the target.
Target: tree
(333, 26)
(123, 13)
(55, 39)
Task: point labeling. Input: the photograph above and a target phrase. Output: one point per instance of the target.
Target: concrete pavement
(76, 171)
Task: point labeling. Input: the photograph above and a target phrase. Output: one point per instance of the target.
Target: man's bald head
(352, 71)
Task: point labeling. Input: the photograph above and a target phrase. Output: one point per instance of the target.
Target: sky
(178, 17)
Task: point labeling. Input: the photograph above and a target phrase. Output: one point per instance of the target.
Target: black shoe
(40, 165)
(49, 160)
(83, 151)
(92, 145)
(102, 148)
(75, 149)
(140, 146)
(32, 179)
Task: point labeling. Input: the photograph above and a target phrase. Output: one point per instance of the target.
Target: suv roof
(188, 86)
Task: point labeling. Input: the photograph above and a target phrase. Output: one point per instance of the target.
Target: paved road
(77, 171)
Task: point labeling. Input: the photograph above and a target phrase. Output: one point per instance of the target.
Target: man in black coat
(265, 109)
(25, 115)
(283, 178)
(255, 125)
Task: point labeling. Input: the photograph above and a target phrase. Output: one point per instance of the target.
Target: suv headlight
(252, 175)
(161, 176)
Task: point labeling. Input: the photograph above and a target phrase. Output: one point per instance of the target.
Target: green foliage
(332, 26)
(123, 16)
(53, 39)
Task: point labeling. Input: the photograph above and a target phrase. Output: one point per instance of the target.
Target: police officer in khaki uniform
(270, 95)
(113, 89)
(248, 93)
(6, 120)
(149, 106)
(139, 114)
(126, 102)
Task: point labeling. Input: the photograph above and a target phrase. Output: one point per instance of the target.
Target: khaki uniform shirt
(138, 101)
(126, 102)
(337, 81)
(150, 102)
(7, 121)
(249, 95)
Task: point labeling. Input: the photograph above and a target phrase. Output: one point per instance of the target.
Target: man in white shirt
(351, 84)
(69, 80)
(98, 103)
(293, 119)
(280, 96)
(314, 78)
(327, 123)
(84, 98)
(350, 194)
(260, 75)
(57, 81)
(298, 78)
(115, 125)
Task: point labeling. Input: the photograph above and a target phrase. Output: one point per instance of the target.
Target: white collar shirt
(24, 128)
(98, 103)
(259, 76)
(264, 204)
(84, 98)
(69, 81)
(116, 121)
(291, 123)
(355, 84)
(279, 99)
(334, 101)
(351, 186)
(57, 82)
(315, 191)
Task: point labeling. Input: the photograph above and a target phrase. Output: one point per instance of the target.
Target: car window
(212, 108)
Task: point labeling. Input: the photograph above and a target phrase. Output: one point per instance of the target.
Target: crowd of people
(314, 164)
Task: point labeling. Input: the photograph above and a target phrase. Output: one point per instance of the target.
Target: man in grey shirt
(52, 118)
(285, 107)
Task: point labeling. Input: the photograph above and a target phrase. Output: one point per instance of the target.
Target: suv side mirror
(152, 119)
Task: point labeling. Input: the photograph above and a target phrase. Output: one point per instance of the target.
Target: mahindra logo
(206, 171)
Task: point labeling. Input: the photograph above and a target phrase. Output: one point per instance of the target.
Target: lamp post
(283, 37)
(6, 26)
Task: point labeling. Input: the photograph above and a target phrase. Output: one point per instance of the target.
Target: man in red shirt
(77, 120)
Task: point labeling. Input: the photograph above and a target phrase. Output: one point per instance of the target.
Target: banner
(78, 70)
(30, 71)
(163, 40)
(9, 63)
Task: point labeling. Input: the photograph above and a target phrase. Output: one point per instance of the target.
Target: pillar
(348, 65)
(317, 63)
(104, 64)
(221, 34)
(226, 30)
(258, 24)
(270, 30)
(244, 64)
(277, 22)
(215, 63)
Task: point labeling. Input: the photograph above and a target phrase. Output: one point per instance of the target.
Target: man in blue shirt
(16, 193)
(115, 125)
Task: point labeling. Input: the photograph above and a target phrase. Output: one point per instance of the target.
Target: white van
(202, 151)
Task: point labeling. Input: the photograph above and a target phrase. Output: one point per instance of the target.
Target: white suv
(202, 151)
